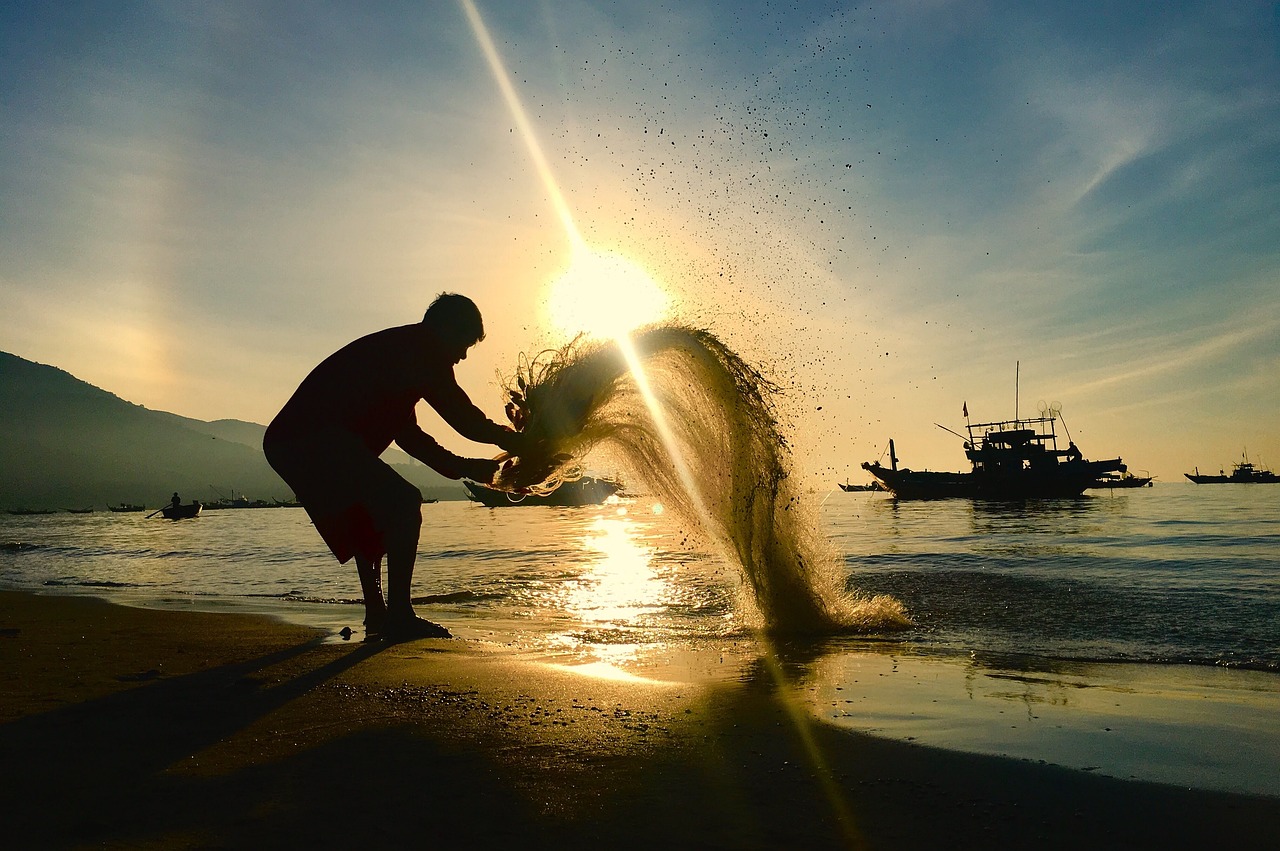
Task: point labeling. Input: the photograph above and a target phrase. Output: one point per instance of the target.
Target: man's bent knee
(405, 508)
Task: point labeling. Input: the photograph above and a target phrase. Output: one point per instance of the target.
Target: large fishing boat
(1012, 459)
(1243, 473)
(587, 490)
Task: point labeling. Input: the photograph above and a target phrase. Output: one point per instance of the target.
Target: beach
(127, 727)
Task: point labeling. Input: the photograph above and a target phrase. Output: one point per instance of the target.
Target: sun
(605, 295)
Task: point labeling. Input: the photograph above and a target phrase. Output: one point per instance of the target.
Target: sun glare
(605, 295)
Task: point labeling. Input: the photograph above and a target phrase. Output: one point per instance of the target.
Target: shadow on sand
(327, 746)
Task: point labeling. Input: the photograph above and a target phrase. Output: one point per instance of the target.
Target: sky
(897, 210)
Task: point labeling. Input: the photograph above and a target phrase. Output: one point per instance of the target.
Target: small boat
(1011, 460)
(870, 486)
(587, 490)
(1243, 473)
(88, 510)
(1124, 480)
(127, 506)
(27, 512)
(181, 511)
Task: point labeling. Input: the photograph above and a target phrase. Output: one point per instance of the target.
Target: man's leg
(375, 607)
(401, 539)
(402, 552)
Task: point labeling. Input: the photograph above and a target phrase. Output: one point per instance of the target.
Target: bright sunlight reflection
(605, 295)
(622, 585)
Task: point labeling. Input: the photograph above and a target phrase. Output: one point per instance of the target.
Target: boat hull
(1122, 482)
(1064, 480)
(584, 491)
(1254, 479)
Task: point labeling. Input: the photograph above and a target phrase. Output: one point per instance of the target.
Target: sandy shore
(131, 728)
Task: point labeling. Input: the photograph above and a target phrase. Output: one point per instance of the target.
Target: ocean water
(1129, 632)
(1180, 574)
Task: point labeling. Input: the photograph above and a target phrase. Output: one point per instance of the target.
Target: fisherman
(326, 442)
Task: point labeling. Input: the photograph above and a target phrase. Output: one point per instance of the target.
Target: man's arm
(424, 447)
(456, 408)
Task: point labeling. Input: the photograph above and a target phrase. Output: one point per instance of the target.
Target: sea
(1131, 632)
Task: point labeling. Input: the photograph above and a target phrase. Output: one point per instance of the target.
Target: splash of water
(707, 444)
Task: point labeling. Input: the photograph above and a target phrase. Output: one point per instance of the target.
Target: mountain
(67, 444)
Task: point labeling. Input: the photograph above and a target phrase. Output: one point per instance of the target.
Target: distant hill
(67, 444)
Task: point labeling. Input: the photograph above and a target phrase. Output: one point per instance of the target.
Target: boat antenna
(1017, 372)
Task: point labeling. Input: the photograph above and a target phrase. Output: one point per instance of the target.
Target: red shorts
(352, 496)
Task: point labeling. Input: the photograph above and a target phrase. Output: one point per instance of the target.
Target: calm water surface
(1174, 573)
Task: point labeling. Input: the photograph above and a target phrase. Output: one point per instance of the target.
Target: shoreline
(128, 726)
(1156, 722)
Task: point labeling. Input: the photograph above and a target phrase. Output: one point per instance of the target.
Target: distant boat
(1243, 473)
(181, 511)
(1011, 460)
(25, 512)
(1124, 480)
(870, 486)
(127, 506)
(88, 510)
(245, 502)
(587, 490)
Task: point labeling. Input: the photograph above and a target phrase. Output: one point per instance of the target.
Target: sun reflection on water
(619, 590)
(620, 585)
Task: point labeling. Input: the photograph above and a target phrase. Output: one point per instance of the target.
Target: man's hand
(521, 444)
(480, 470)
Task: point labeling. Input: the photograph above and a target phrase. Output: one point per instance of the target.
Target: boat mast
(1017, 369)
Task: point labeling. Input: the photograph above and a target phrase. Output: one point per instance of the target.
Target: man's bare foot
(375, 624)
(411, 628)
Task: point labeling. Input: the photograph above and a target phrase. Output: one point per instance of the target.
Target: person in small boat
(175, 500)
(327, 439)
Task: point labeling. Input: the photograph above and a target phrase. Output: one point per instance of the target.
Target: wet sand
(124, 727)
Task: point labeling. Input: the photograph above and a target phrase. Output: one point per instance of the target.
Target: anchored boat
(1011, 459)
(1124, 480)
(1243, 473)
(869, 486)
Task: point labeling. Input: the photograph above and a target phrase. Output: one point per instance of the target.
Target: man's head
(455, 320)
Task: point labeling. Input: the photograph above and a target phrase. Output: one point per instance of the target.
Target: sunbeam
(764, 576)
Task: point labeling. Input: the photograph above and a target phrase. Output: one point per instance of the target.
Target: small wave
(89, 583)
(1226, 660)
(486, 555)
(456, 597)
(300, 597)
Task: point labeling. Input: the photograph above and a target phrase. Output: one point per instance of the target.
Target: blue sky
(888, 206)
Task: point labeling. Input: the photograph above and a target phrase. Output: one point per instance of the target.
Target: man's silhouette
(326, 440)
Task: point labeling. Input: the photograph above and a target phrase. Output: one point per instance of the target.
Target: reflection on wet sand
(1149, 722)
